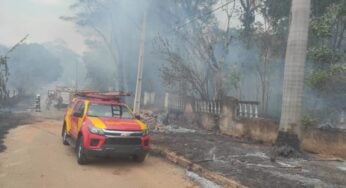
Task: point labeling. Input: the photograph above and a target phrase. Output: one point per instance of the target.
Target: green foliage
(278, 12)
(308, 120)
(324, 54)
(319, 6)
(327, 72)
(322, 26)
(329, 82)
(318, 79)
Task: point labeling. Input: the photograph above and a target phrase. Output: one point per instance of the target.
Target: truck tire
(64, 135)
(140, 158)
(81, 157)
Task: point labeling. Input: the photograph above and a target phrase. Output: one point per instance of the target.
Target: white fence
(174, 102)
(212, 107)
(248, 109)
(245, 109)
(178, 103)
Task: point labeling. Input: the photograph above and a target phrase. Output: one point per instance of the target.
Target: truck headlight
(95, 130)
(145, 132)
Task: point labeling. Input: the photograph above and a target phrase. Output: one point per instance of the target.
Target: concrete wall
(262, 130)
(324, 141)
(208, 121)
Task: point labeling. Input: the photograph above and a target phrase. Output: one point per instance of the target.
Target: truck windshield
(109, 110)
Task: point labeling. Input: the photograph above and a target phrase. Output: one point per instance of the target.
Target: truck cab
(100, 125)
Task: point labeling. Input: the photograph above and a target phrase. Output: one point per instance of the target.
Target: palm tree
(289, 129)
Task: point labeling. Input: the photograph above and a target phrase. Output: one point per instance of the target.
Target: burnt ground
(9, 121)
(249, 162)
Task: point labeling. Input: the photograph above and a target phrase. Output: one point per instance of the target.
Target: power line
(208, 13)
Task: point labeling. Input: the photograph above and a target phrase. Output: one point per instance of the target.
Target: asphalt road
(35, 157)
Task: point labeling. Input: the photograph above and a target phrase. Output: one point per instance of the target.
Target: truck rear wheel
(81, 157)
(139, 158)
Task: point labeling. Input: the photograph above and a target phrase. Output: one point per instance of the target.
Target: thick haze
(40, 19)
(207, 49)
(100, 40)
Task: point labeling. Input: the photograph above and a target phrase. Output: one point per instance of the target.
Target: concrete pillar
(228, 114)
(250, 111)
(150, 97)
(146, 98)
(342, 116)
(240, 110)
(166, 103)
(245, 110)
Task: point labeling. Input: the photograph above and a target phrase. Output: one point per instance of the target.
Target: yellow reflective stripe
(142, 125)
(97, 122)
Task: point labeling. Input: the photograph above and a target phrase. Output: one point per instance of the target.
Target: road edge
(196, 168)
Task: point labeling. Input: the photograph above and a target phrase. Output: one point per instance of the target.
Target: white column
(342, 117)
(166, 103)
(240, 110)
(250, 111)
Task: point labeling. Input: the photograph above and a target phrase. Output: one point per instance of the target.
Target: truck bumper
(115, 151)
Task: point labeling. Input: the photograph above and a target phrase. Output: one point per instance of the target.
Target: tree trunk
(287, 143)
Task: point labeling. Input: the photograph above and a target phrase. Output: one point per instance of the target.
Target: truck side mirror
(77, 114)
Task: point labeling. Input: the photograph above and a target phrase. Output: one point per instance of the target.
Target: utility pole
(76, 81)
(137, 102)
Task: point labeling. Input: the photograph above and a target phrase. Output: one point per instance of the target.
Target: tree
(105, 21)
(288, 142)
(200, 47)
(32, 66)
(326, 77)
(3, 78)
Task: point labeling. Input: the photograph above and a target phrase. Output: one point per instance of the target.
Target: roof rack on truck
(113, 95)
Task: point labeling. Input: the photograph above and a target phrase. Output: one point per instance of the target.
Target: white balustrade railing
(178, 103)
(213, 107)
(248, 109)
(174, 102)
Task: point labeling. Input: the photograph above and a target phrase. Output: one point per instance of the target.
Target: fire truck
(101, 125)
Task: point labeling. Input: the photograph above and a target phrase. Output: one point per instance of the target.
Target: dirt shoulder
(249, 163)
(10, 121)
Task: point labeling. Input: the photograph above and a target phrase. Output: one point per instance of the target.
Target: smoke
(113, 31)
(34, 67)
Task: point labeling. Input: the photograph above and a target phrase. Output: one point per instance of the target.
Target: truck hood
(117, 124)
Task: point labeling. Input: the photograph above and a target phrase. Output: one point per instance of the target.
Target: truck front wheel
(64, 135)
(81, 157)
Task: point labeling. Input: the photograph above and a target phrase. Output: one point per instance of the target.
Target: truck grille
(123, 141)
(121, 133)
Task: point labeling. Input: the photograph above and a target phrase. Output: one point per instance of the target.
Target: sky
(39, 19)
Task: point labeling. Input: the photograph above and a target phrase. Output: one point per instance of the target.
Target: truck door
(68, 116)
(77, 118)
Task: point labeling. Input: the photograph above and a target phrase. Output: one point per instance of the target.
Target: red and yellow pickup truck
(100, 125)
